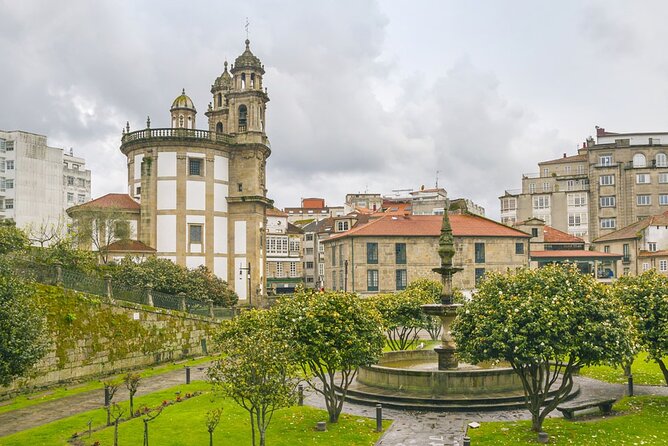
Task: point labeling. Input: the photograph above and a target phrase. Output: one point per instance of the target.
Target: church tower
(183, 112)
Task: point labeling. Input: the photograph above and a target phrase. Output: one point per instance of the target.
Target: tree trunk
(262, 437)
(145, 433)
(663, 368)
(116, 433)
(252, 427)
(210, 438)
(132, 412)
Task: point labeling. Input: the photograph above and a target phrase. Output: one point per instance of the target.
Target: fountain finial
(446, 242)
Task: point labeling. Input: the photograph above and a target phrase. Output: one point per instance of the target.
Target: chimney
(564, 154)
(600, 131)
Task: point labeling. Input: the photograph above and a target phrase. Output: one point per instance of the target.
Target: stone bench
(605, 406)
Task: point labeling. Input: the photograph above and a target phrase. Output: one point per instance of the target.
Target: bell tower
(218, 112)
(247, 99)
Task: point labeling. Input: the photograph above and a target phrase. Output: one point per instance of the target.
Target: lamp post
(248, 289)
(345, 276)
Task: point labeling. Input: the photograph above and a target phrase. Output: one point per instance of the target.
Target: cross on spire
(246, 26)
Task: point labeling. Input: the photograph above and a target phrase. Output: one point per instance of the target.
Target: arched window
(220, 100)
(243, 81)
(173, 122)
(661, 160)
(181, 121)
(243, 118)
(190, 122)
(252, 80)
(219, 127)
(639, 160)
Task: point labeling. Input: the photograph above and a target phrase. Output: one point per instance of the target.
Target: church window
(195, 233)
(243, 118)
(219, 127)
(243, 81)
(190, 122)
(220, 100)
(194, 166)
(252, 80)
(181, 121)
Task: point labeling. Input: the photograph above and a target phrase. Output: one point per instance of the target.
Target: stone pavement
(33, 416)
(448, 428)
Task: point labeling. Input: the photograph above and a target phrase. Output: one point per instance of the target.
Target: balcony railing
(177, 133)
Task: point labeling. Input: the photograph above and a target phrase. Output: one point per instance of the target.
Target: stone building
(387, 253)
(38, 182)
(312, 209)
(611, 183)
(202, 193)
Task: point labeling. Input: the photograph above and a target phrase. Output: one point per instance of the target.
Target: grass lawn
(637, 421)
(42, 396)
(643, 372)
(183, 423)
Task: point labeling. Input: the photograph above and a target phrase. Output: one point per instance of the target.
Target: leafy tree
(65, 253)
(430, 290)
(545, 322)
(22, 340)
(170, 278)
(402, 317)
(646, 299)
(212, 420)
(12, 239)
(333, 333)
(256, 369)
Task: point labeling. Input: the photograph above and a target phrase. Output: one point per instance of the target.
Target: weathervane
(247, 24)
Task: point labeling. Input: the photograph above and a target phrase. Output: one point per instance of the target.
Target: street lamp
(249, 289)
(345, 276)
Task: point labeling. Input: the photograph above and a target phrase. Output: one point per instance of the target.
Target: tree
(132, 381)
(545, 322)
(645, 298)
(66, 254)
(47, 232)
(100, 227)
(333, 334)
(12, 239)
(22, 340)
(256, 368)
(110, 389)
(402, 317)
(212, 420)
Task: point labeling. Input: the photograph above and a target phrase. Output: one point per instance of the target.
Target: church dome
(183, 101)
(248, 60)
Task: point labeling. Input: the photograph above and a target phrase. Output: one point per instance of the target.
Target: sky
(365, 96)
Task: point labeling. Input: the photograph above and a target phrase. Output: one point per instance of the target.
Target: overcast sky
(365, 96)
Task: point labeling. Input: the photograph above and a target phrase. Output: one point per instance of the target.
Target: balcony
(626, 258)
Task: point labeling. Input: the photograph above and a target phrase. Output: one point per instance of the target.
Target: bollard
(59, 275)
(106, 396)
(210, 303)
(300, 390)
(187, 375)
(630, 384)
(467, 441)
(182, 301)
(543, 437)
(107, 284)
(379, 418)
(321, 426)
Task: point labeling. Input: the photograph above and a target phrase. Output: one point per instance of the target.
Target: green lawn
(643, 372)
(183, 423)
(54, 393)
(637, 421)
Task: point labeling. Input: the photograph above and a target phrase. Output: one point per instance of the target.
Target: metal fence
(76, 280)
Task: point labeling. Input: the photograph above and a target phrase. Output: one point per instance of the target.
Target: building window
(82, 182)
(642, 178)
(402, 279)
(309, 251)
(541, 202)
(546, 187)
(340, 255)
(663, 265)
(9, 203)
(341, 225)
(372, 253)
(321, 247)
(567, 170)
(309, 237)
(534, 232)
(661, 160)
(334, 280)
(195, 166)
(293, 269)
(195, 234)
(605, 160)
(9, 146)
(577, 219)
(651, 246)
(663, 178)
(508, 204)
(608, 223)
(333, 255)
(532, 188)
(663, 199)
(639, 160)
(342, 285)
(70, 181)
(9, 184)
(479, 275)
(577, 200)
(606, 180)
(479, 253)
(138, 191)
(243, 118)
(9, 165)
(645, 266)
(606, 249)
(644, 200)
(294, 246)
(70, 197)
(279, 269)
(400, 253)
(81, 198)
(519, 248)
(309, 265)
(372, 280)
(546, 171)
(607, 202)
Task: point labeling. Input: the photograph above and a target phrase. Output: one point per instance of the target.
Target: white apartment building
(38, 182)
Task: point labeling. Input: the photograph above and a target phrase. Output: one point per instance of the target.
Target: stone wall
(93, 335)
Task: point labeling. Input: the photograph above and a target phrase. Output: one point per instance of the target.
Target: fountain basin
(416, 371)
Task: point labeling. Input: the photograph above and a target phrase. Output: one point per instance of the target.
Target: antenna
(437, 172)
(247, 24)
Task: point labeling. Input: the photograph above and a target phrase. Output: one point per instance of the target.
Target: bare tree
(131, 381)
(47, 232)
(100, 227)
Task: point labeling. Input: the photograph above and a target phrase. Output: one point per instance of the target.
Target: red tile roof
(129, 246)
(661, 253)
(463, 225)
(566, 159)
(273, 212)
(551, 235)
(573, 253)
(631, 231)
(110, 201)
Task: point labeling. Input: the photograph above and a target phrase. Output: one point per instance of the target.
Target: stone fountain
(435, 380)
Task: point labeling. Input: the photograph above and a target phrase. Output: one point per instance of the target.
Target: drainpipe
(352, 262)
